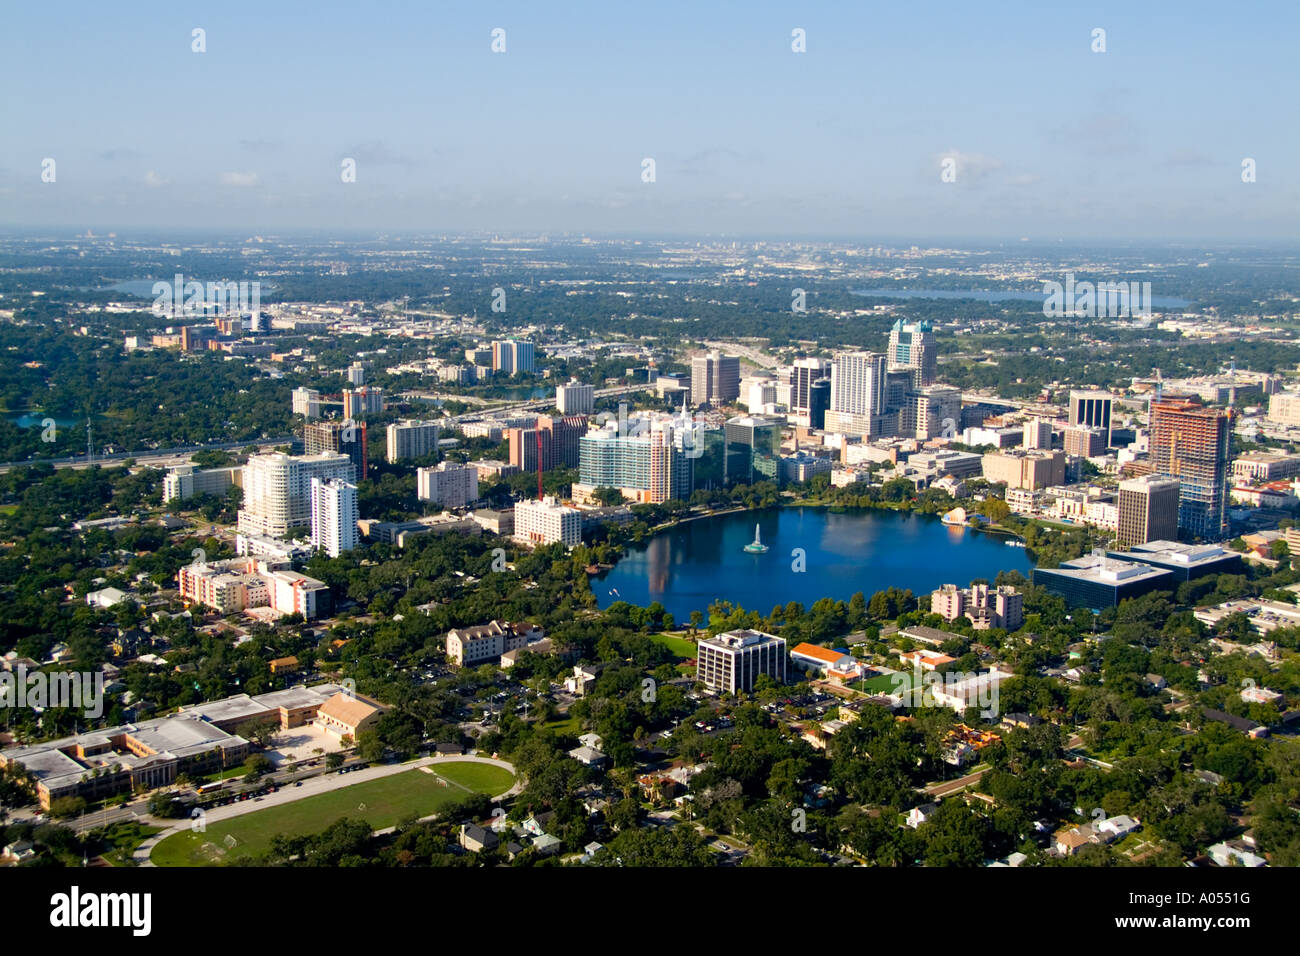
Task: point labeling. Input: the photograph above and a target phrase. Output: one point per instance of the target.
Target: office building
(334, 515)
(753, 450)
(1148, 509)
(1096, 581)
(1265, 466)
(1037, 434)
(560, 437)
(185, 481)
(802, 374)
(732, 661)
(1080, 441)
(306, 402)
(512, 356)
(819, 402)
(715, 379)
(277, 490)
(449, 484)
(412, 439)
(1186, 562)
(912, 349)
(338, 438)
(574, 398)
(1093, 409)
(547, 522)
(1190, 442)
(479, 355)
(857, 394)
(1025, 469)
(926, 408)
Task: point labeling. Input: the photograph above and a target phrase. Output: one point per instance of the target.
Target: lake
(687, 567)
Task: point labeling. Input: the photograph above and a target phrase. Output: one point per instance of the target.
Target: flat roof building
(732, 661)
(1096, 581)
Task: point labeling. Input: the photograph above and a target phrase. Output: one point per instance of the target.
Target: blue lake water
(34, 420)
(688, 567)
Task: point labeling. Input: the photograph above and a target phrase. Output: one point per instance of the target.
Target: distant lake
(34, 420)
(687, 567)
(983, 295)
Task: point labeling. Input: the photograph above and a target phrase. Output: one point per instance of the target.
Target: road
(164, 457)
(949, 787)
(169, 457)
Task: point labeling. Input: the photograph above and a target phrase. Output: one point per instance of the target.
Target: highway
(168, 457)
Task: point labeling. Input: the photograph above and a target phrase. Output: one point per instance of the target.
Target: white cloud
(239, 179)
(151, 178)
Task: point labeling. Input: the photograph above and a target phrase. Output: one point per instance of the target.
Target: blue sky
(1050, 139)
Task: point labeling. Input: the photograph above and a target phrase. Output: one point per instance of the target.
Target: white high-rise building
(449, 484)
(333, 515)
(277, 490)
(574, 398)
(857, 393)
(411, 439)
(546, 522)
(306, 402)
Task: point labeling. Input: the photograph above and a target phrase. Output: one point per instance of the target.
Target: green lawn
(381, 803)
(678, 645)
(884, 683)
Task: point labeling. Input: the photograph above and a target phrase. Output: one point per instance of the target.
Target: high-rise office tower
(340, 438)
(277, 490)
(819, 402)
(912, 348)
(1189, 442)
(753, 450)
(803, 373)
(715, 379)
(411, 439)
(574, 398)
(1093, 409)
(857, 393)
(333, 515)
(1148, 510)
(926, 409)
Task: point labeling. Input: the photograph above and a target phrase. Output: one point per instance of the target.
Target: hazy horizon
(1049, 140)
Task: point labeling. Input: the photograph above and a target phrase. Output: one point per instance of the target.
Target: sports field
(381, 803)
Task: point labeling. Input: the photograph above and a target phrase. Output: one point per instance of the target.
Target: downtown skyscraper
(1189, 441)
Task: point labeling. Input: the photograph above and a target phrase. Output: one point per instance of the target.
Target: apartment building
(484, 642)
(410, 438)
(546, 522)
(448, 484)
(277, 490)
(185, 481)
(334, 515)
